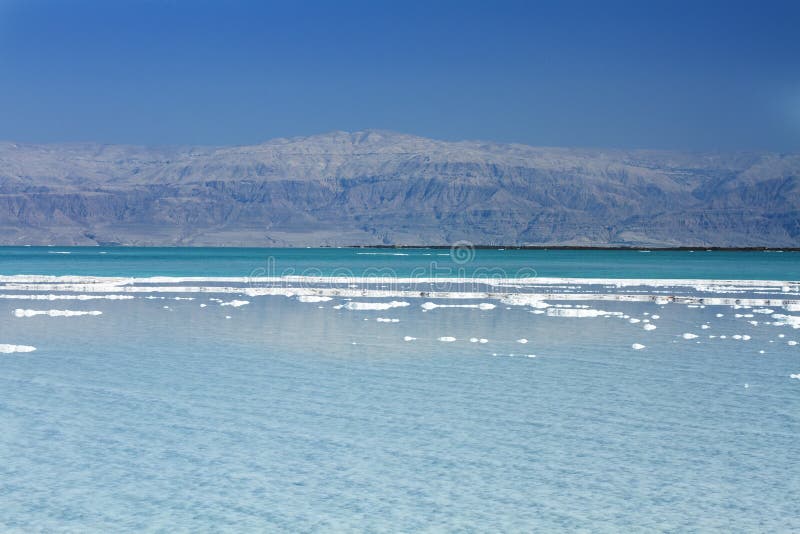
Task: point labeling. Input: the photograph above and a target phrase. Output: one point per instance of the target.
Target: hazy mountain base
(385, 188)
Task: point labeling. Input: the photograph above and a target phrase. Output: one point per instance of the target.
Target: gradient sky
(688, 75)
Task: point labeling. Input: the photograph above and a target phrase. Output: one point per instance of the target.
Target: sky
(700, 75)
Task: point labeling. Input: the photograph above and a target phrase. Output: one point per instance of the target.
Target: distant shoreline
(587, 247)
(447, 247)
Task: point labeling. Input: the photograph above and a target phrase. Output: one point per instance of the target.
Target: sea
(399, 390)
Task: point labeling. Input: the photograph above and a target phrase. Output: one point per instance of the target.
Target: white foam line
(55, 313)
(9, 349)
(381, 254)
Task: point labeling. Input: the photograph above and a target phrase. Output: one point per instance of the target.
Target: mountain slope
(378, 187)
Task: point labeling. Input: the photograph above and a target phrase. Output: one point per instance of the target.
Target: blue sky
(686, 75)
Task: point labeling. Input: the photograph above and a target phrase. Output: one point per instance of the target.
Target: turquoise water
(125, 261)
(288, 415)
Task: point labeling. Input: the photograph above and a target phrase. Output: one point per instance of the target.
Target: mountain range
(384, 188)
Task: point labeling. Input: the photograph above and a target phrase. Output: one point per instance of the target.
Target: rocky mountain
(376, 187)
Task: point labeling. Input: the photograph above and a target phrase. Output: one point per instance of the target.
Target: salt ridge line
(66, 297)
(697, 284)
(112, 287)
(537, 300)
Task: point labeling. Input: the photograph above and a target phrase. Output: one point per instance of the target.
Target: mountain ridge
(378, 187)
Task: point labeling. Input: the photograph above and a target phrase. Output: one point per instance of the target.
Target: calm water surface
(191, 415)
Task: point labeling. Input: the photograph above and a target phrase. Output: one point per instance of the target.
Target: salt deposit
(313, 298)
(376, 305)
(481, 306)
(9, 349)
(55, 313)
(235, 303)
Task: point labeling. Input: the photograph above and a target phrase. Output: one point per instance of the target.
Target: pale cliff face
(384, 188)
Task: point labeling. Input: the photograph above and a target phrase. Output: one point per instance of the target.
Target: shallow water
(165, 414)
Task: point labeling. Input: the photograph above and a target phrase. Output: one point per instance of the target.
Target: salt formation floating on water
(67, 297)
(235, 303)
(481, 306)
(9, 349)
(534, 301)
(540, 295)
(387, 320)
(522, 340)
(637, 346)
(572, 312)
(55, 313)
(408, 338)
(786, 320)
(447, 339)
(376, 305)
(313, 298)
